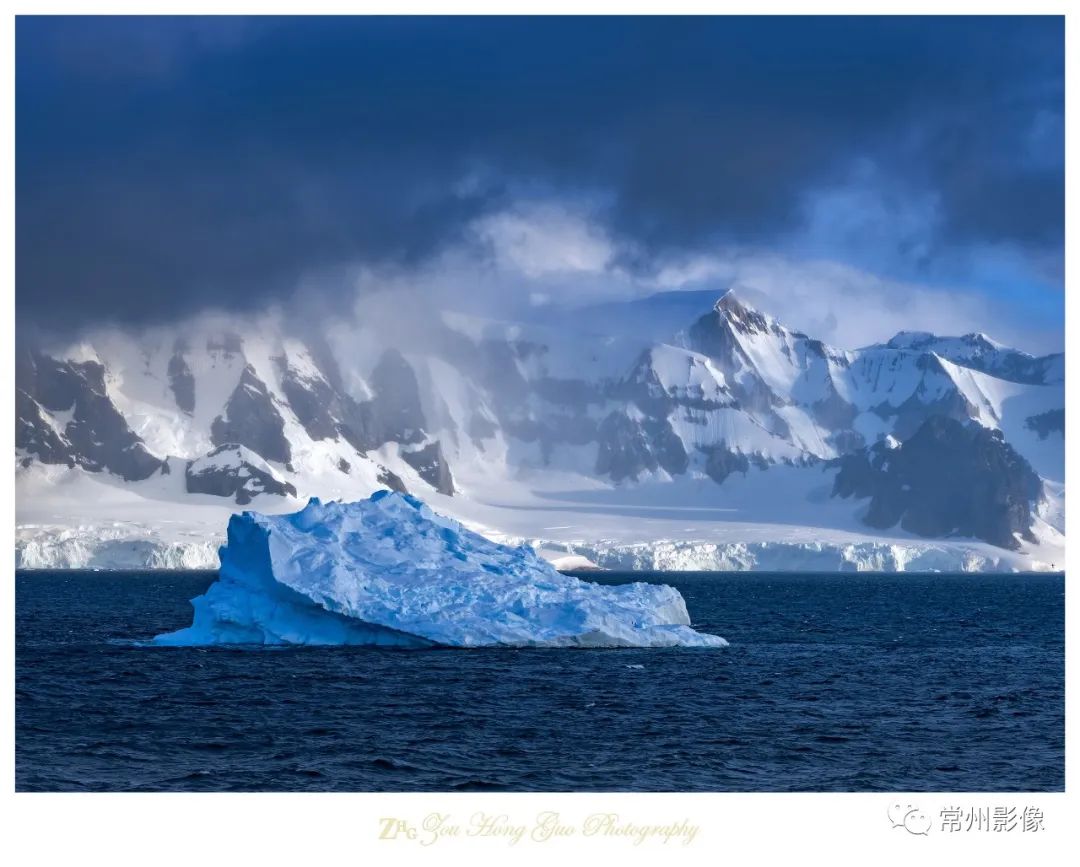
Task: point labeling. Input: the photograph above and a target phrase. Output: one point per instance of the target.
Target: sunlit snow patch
(389, 571)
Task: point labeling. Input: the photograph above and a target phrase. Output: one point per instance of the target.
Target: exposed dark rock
(312, 399)
(858, 475)
(628, 448)
(181, 381)
(624, 451)
(669, 450)
(395, 411)
(644, 388)
(716, 333)
(742, 318)
(948, 479)
(252, 420)
(391, 480)
(99, 432)
(846, 441)
(354, 424)
(57, 385)
(323, 357)
(344, 466)
(97, 435)
(720, 463)
(393, 414)
(833, 412)
(34, 434)
(431, 466)
(500, 372)
(1046, 423)
(226, 472)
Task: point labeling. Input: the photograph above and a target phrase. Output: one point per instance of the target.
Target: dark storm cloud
(166, 164)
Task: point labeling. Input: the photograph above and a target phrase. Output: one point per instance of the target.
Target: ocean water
(831, 683)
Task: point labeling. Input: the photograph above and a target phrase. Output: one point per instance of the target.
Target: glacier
(869, 555)
(389, 571)
(114, 545)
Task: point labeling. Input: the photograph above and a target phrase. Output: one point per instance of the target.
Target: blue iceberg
(389, 571)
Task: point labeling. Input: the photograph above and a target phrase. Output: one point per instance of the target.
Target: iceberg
(389, 571)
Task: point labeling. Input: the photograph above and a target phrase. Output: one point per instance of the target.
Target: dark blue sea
(831, 683)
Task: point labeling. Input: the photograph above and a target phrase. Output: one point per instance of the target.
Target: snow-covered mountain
(731, 439)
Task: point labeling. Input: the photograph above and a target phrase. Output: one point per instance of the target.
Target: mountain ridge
(476, 406)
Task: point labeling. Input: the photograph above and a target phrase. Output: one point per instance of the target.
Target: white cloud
(540, 239)
(848, 306)
(541, 256)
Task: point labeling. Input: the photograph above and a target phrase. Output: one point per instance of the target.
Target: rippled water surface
(831, 682)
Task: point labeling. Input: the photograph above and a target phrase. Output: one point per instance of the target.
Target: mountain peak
(923, 339)
(911, 340)
(982, 340)
(729, 302)
(740, 315)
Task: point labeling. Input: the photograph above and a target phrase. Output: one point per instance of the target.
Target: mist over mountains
(230, 412)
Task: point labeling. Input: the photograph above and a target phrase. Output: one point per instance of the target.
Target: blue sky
(168, 164)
